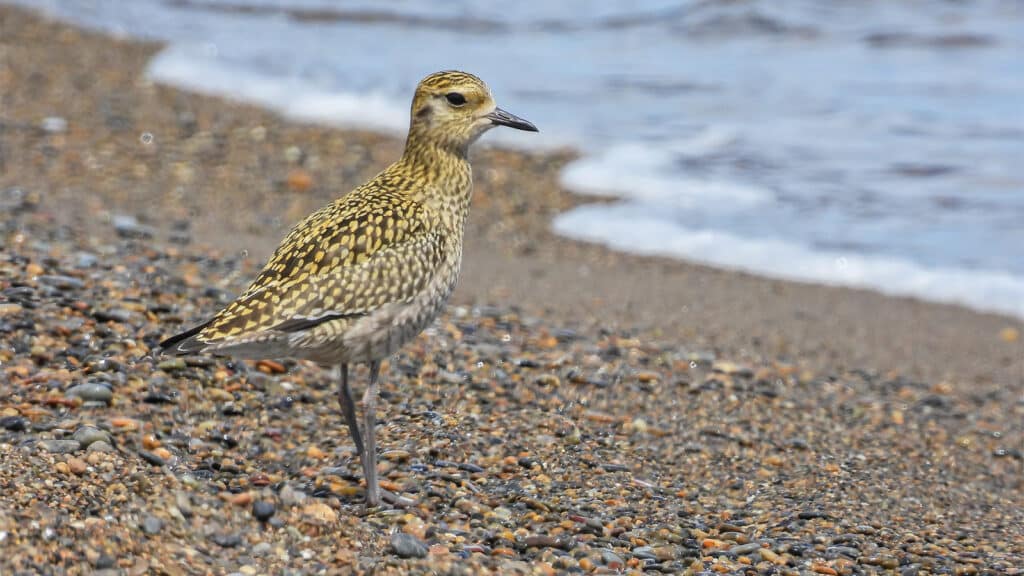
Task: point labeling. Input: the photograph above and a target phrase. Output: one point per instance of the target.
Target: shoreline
(567, 414)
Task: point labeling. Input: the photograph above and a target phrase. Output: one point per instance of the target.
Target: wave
(648, 229)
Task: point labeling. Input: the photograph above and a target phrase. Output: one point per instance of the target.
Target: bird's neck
(443, 178)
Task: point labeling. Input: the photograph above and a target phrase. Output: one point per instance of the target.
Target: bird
(357, 279)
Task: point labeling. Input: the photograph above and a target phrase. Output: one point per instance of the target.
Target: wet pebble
(61, 282)
(152, 525)
(60, 446)
(152, 458)
(14, 423)
(263, 510)
(100, 446)
(226, 540)
(644, 553)
(744, 549)
(408, 546)
(128, 227)
(91, 392)
(89, 435)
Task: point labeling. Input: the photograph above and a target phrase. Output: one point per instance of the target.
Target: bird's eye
(455, 99)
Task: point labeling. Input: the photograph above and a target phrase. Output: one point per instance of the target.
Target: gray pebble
(100, 446)
(61, 282)
(291, 497)
(263, 510)
(152, 525)
(14, 423)
(612, 559)
(129, 227)
(151, 458)
(644, 553)
(408, 546)
(843, 551)
(61, 446)
(119, 315)
(226, 540)
(89, 435)
(91, 391)
(744, 549)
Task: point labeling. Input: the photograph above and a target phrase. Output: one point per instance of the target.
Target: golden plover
(360, 277)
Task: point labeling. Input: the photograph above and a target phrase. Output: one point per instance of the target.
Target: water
(876, 144)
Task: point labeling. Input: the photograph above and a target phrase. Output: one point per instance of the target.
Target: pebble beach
(574, 411)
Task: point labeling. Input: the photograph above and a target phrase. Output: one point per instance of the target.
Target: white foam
(641, 229)
(645, 172)
(194, 68)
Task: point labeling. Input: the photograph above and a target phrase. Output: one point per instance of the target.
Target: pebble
(612, 560)
(408, 546)
(61, 446)
(89, 435)
(645, 553)
(152, 458)
(100, 446)
(744, 549)
(61, 282)
(14, 423)
(77, 466)
(263, 510)
(128, 227)
(152, 525)
(226, 540)
(91, 392)
(54, 125)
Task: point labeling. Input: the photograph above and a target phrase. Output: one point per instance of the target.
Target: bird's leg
(348, 408)
(370, 454)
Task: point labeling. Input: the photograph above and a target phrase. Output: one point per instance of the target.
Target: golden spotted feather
(367, 249)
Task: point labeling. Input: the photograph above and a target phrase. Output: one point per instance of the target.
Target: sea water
(875, 144)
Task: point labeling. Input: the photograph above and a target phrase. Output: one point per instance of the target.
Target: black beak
(503, 118)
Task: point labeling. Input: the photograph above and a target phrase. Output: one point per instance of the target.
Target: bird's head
(454, 108)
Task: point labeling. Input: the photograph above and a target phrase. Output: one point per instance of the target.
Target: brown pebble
(77, 465)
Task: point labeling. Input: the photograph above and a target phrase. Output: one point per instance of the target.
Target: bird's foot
(390, 498)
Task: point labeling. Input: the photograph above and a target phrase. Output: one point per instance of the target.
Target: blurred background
(872, 144)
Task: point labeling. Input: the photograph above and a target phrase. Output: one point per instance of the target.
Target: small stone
(61, 282)
(408, 546)
(152, 525)
(91, 392)
(54, 125)
(320, 512)
(129, 227)
(89, 435)
(172, 365)
(152, 458)
(119, 315)
(292, 497)
(396, 455)
(226, 540)
(77, 466)
(263, 510)
(100, 446)
(1009, 334)
(14, 423)
(61, 446)
(612, 560)
(644, 553)
(744, 549)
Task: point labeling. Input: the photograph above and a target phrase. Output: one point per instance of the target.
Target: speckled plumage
(360, 277)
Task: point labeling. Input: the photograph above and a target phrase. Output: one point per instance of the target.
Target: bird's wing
(345, 260)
